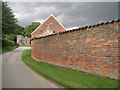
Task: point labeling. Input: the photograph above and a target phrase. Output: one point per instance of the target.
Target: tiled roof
(25, 39)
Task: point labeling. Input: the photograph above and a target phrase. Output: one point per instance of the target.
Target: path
(15, 74)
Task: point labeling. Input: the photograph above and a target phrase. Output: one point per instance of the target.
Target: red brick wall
(93, 50)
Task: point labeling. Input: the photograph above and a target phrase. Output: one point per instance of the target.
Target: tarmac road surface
(15, 74)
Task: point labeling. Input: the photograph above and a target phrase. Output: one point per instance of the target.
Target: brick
(97, 60)
(81, 55)
(89, 55)
(93, 51)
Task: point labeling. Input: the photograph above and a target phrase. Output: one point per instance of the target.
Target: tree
(18, 29)
(30, 28)
(8, 20)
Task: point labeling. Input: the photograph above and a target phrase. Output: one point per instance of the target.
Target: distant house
(23, 40)
(50, 26)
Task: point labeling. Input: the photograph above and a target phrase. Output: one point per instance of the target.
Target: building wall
(27, 42)
(22, 42)
(92, 50)
(50, 26)
(19, 37)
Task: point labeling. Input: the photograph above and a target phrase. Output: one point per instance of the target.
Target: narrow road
(15, 74)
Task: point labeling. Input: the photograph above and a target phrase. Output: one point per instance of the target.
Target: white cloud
(71, 28)
(74, 14)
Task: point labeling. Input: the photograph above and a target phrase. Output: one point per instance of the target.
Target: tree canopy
(18, 29)
(30, 28)
(8, 19)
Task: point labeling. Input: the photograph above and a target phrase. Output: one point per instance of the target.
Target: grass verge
(7, 45)
(6, 49)
(67, 77)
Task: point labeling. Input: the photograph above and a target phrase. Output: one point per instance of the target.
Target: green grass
(7, 45)
(67, 77)
(6, 49)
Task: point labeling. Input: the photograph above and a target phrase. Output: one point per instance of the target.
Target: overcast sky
(70, 14)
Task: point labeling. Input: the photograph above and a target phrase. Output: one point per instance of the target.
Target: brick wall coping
(85, 27)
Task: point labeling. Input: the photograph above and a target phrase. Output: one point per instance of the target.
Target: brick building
(50, 26)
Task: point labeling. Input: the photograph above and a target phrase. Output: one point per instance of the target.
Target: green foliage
(8, 20)
(6, 49)
(8, 43)
(30, 28)
(67, 77)
(18, 29)
(10, 36)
